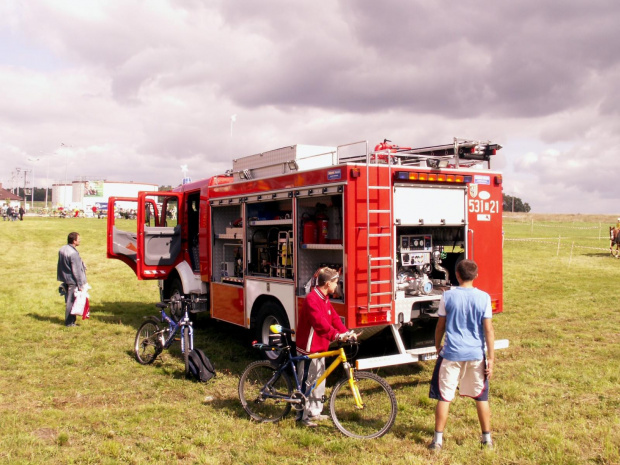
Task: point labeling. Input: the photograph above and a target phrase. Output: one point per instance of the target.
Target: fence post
(571, 253)
(558, 251)
(532, 228)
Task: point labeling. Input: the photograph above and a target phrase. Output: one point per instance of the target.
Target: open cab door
(145, 233)
(159, 246)
(122, 240)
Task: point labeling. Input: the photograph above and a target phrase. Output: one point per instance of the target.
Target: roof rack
(470, 152)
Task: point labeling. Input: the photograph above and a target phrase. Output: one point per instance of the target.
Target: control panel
(415, 249)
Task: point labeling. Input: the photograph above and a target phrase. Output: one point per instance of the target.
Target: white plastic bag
(80, 300)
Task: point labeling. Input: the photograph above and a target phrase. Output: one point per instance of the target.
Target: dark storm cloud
(512, 59)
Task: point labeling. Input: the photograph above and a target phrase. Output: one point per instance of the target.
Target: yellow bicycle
(361, 405)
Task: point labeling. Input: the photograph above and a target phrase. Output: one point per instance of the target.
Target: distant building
(86, 194)
(8, 196)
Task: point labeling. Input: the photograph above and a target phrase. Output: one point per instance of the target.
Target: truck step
(419, 354)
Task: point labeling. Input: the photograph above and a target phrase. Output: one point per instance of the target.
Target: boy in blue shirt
(465, 320)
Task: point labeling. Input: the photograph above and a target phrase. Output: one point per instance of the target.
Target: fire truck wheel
(269, 314)
(176, 288)
(176, 292)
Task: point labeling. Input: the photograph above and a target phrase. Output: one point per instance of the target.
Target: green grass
(78, 396)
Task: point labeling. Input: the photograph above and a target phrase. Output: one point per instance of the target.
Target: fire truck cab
(394, 221)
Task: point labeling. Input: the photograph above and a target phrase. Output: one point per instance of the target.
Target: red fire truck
(394, 220)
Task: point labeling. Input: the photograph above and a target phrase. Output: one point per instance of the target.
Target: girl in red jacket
(318, 326)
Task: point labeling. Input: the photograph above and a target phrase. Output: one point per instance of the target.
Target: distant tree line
(515, 204)
(39, 193)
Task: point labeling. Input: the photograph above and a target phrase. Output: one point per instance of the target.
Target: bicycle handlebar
(189, 298)
(181, 299)
(348, 342)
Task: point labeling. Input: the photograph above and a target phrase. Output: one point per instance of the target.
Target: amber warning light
(431, 177)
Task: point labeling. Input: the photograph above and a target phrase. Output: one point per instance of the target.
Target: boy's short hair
(467, 270)
(325, 275)
(72, 237)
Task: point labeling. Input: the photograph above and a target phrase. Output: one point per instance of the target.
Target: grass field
(76, 395)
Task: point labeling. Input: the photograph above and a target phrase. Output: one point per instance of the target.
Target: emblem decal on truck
(473, 190)
(333, 175)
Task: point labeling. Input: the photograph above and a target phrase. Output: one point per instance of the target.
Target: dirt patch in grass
(46, 434)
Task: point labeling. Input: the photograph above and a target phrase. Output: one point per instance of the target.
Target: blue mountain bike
(153, 337)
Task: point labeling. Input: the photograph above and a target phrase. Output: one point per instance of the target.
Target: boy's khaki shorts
(468, 376)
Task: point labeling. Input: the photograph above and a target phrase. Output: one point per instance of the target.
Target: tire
(378, 413)
(186, 347)
(148, 344)
(253, 381)
(269, 314)
(175, 293)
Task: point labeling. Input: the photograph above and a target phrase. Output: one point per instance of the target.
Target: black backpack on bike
(200, 366)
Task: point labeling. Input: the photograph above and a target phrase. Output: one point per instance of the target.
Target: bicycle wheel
(255, 382)
(148, 344)
(378, 413)
(186, 348)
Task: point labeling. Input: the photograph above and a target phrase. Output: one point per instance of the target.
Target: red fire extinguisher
(309, 235)
(322, 224)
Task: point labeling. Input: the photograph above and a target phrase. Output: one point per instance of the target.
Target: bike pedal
(177, 338)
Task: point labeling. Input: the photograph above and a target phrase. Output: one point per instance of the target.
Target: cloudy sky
(130, 90)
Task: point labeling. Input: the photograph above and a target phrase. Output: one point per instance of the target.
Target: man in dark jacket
(71, 272)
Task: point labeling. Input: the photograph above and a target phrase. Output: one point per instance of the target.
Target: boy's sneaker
(488, 445)
(319, 417)
(435, 446)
